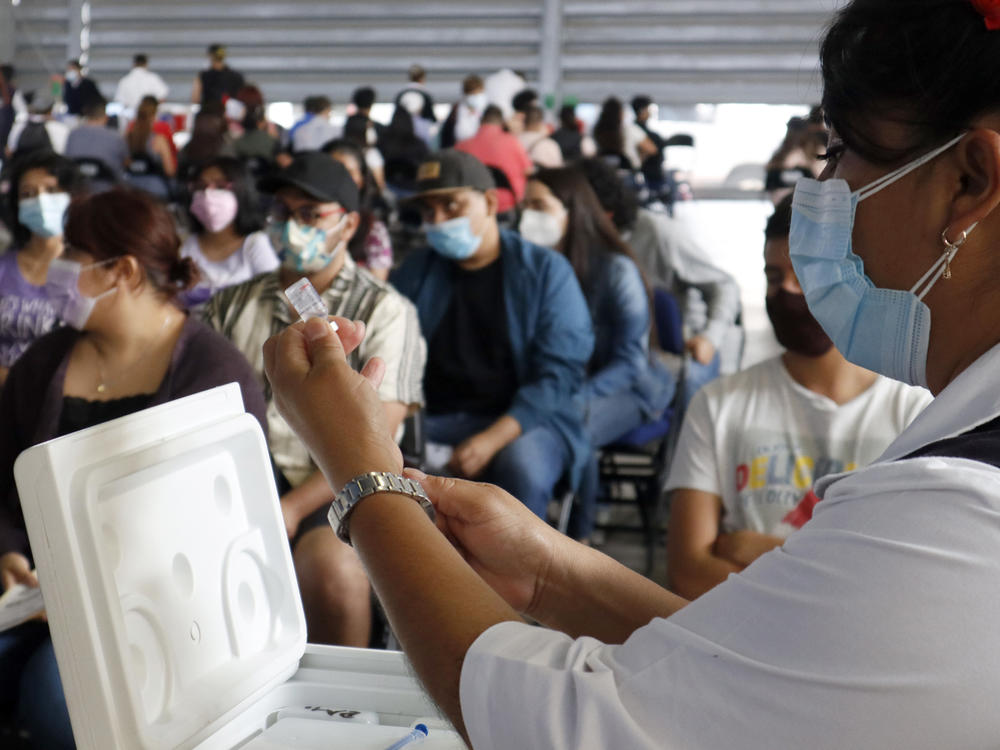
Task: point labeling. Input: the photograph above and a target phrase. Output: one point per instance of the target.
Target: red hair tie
(990, 10)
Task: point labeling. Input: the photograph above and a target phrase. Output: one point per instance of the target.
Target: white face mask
(541, 228)
(477, 102)
(62, 286)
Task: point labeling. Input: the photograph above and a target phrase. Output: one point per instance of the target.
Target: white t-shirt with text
(759, 440)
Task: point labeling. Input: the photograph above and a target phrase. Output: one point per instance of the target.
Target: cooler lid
(166, 570)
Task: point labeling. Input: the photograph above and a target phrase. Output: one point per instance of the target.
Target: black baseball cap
(452, 170)
(319, 176)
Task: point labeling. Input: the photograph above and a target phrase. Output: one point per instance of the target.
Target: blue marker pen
(419, 734)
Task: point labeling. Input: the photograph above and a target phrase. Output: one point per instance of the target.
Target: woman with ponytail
(144, 143)
(126, 346)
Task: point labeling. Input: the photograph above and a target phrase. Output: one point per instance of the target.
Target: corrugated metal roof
(678, 51)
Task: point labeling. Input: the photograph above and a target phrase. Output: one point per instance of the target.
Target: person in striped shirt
(316, 216)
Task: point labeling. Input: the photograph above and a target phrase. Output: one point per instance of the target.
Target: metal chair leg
(564, 510)
(648, 514)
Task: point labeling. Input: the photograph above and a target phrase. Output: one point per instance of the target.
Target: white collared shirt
(874, 626)
(138, 83)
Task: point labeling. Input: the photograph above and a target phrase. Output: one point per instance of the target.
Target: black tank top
(217, 84)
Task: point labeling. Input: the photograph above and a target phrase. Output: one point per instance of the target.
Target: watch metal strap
(370, 484)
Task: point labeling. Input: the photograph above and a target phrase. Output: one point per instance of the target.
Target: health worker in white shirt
(138, 83)
(873, 626)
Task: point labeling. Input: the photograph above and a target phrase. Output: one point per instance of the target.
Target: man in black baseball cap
(458, 201)
(509, 337)
(316, 217)
(317, 175)
(451, 170)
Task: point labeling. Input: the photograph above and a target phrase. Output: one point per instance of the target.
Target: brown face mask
(795, 327)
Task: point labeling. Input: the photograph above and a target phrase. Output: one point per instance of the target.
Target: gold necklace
(103, 384)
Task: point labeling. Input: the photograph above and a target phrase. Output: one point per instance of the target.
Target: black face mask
(795, 327)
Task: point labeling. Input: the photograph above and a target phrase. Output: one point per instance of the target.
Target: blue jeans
(610, 417)
(29, 681)
(528, 468)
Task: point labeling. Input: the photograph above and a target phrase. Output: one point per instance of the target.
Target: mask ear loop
(942, 268)
(886, 180)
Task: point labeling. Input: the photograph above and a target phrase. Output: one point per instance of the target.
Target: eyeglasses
(304, 214)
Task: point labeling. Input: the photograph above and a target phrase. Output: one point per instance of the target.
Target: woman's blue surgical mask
(454, 238)
(45, 214)
(884, 330)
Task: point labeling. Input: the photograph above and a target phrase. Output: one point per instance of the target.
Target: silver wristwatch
(369, 484)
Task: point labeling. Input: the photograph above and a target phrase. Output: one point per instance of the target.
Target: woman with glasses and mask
(227, 240)
(874, 625)
(126, 346)
(41, 187)
(315, 217)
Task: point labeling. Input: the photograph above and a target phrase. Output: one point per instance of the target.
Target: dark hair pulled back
(124, 221)
(928, 65)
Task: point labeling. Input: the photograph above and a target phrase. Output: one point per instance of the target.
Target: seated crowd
(517, 327)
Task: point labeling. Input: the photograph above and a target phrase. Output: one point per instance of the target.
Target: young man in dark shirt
(652, 166)
(78, 90)
(357, 126)
(509, 337)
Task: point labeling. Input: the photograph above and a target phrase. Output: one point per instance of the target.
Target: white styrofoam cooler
(172, 598)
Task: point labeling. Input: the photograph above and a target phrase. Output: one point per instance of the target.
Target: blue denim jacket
(549, 327)
(621, 363)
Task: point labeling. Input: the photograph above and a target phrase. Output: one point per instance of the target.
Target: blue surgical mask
(884, 330)
(454, 238)
(44, 215)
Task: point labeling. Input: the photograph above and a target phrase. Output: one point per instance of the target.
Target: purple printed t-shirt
(25, 311)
